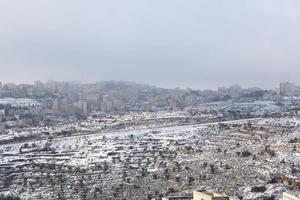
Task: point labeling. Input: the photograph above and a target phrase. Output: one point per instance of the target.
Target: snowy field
(141, 162)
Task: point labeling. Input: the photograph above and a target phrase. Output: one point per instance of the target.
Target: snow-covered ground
(93, 158)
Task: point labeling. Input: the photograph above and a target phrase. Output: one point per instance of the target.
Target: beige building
(290, 196)
(177, 198)
(208, 196)
(200, 195)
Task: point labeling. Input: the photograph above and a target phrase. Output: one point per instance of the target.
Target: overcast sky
(169, 43)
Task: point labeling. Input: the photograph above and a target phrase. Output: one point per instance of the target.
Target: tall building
(107, 103)
(1, 89)
(235, 91)
(38, 85)
(287, 89)
(82, 106)
(57, 105)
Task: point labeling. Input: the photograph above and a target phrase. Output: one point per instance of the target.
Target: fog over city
(149, 100)
(170, 43)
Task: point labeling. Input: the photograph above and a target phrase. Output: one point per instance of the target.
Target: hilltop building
(200, 195)
(177, 198)
(291, 196)
(287, 89)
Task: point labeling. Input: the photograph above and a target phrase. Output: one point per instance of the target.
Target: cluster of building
(49, 103)
(72, 98)
(289, 89)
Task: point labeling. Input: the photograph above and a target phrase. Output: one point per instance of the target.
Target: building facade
(287, 89)
(199, 195)
(290, 196)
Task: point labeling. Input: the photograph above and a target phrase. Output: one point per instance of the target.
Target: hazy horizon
(152, 85)
(172, 43)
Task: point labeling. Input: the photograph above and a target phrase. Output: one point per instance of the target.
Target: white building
(82, 106)
(291, 196)
(287, 89)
